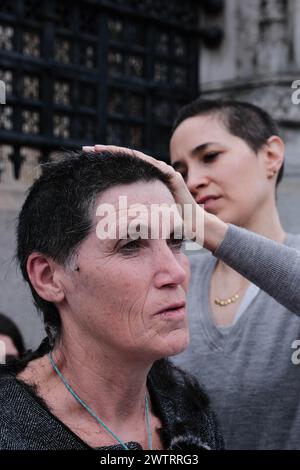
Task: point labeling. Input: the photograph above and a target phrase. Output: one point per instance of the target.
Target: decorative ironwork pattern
(31, 43)
(6, 37)
(31, 87)
(6, 118)
(111, 71)
(62, 50)
(31, 122)
(6, 76)
(61, 126)
(61, 94)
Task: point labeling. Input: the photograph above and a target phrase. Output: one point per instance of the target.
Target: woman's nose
(196, 180)
(170, 269)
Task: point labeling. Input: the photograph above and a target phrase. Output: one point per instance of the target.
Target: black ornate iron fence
(96, 71)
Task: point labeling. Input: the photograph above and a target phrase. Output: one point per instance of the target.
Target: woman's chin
(177, 343)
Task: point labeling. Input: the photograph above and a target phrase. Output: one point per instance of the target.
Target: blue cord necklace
(74, 394)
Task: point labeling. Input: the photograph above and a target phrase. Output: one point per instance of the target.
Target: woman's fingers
(176, 181)
(182, 196)
(164, 167)
(88, 148)
(114, 148)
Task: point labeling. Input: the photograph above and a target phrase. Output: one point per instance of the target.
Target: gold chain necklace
(228, 301)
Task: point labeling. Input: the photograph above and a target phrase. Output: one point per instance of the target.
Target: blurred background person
(11, 338)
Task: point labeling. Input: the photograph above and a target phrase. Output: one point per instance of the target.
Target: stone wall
(15, 299)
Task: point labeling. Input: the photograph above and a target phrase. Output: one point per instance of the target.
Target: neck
(113, 387)
(265, 221)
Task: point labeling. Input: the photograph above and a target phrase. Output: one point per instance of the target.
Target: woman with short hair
(113, 308)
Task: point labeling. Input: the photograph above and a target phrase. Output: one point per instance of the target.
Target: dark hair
(10, 329)
(57, 213)
(244, 120)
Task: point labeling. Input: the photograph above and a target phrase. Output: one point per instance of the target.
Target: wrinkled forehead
(144, 192)
(147, 204)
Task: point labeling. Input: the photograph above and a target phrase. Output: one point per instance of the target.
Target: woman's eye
(209, 157)
(176, 243)
(131, 246)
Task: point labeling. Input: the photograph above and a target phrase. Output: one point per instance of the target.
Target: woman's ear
(43, 273)
(274, 155)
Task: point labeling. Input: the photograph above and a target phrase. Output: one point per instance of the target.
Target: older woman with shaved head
(113, 304)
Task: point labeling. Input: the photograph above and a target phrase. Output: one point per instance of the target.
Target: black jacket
(188, 424)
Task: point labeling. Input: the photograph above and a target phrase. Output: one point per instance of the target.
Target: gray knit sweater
(251, 369)
(273, 267)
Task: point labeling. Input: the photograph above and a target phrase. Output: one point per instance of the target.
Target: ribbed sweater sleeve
(273, 267)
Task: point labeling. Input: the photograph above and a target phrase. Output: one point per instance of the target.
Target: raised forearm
(214, 232)
(272, 266)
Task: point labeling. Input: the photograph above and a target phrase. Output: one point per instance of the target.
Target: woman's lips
(209, 202)
(173, 311)
(172, 314)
